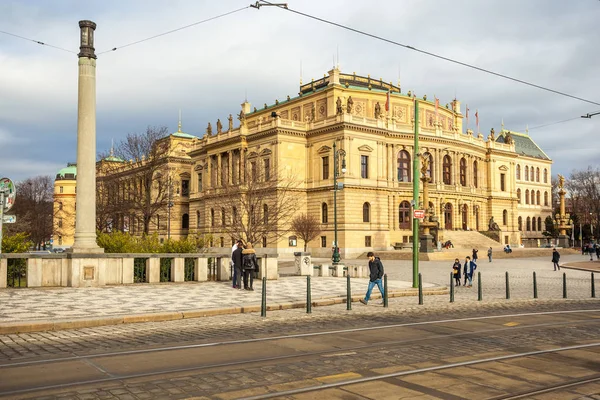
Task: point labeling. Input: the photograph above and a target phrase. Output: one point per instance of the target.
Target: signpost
(419, 214)
(8, 193)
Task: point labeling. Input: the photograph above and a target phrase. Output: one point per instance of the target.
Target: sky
(207, 70)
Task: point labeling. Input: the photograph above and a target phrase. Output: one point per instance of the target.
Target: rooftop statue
(242, 118)
(349, 105)
(230, 119)
(377, 110)
(209, 129)
(561, 181)
(338, 106)
(219, 126)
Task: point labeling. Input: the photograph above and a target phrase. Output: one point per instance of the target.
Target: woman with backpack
(249, 264)
(456, 271)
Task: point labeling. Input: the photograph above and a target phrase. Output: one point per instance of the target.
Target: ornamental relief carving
(285, 114)
(322, 109)
(400, 113)
(296, 114)
(359, 108)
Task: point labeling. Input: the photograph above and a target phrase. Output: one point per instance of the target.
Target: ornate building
(64, 207)
(473, 178)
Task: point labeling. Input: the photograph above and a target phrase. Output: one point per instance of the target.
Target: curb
(92, 322)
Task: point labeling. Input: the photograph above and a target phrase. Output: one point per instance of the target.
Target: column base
(563, 241)
(426, 242)
(85, 244)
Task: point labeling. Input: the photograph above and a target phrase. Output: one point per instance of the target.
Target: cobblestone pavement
(234, 382)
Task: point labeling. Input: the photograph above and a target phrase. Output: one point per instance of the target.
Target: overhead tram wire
(588, 115)
(432, 54)
(174, 30)
(38, 42)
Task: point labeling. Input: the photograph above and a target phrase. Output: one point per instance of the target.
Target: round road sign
(10, 191)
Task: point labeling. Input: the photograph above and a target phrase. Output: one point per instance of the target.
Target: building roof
(183, 135)
(69, 172)
(524, 144)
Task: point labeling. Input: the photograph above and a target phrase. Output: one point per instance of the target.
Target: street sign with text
(419, 214)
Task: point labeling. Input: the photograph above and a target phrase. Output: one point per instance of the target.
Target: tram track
(95, 360)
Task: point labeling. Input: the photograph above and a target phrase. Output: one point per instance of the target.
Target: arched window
(404, 215)
(324, 213)
(537, 198)
(430, 169)
(234, 215)
(545, 175)
(447, 170)
(475, 183)
(212, 217)
(403, 166)
(520, 223)
(526, 173)
(504, 217)
(527, 196)
(546, 199)
(223, 217)
(531, 174)
(265, 214)
(537, 174)
(518, 172)
(540, 224)
(533, 224)
(185, 221)
(519, 195)
(366, 212)
(197, 219)
(463, 172)
(528, 224)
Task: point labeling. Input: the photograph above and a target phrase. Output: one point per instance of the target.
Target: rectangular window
(200, 181)
(323, 241)
(253, 170)
(60, 189)
(364, 167)
(60, 240)
(503, 182)
(367, 241)
(185, 187)
(264, 241)
(222, 241)
(267, 169)
(326, 167)
(292, 241)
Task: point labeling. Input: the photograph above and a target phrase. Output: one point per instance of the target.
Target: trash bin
(303, 263)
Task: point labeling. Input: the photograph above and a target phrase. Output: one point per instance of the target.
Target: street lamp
(337, 154)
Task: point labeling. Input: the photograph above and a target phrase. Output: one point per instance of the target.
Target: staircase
(470, 240)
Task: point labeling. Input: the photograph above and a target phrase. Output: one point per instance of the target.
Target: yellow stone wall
(64, 213)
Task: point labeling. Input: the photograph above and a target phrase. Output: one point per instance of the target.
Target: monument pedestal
(426, 242)
(563, 241)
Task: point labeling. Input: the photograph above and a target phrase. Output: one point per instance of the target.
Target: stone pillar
(85, 219)
(127, 277)
(153, 270)
(178, 269)
(3, 273)
(201, 269)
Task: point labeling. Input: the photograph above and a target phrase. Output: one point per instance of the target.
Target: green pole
(535, 294)
(385, 291)
(507, 287)
(564, 285)
(308, 299)
(348, 293)
(451, 287)
(415, 179)
(420, 278)
(593, 287)
(263, 303)
(479, 288)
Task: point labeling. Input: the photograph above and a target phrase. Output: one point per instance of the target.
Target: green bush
(120, 242)
(17, 243)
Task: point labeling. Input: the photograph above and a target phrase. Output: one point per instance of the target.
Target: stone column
(85, 218)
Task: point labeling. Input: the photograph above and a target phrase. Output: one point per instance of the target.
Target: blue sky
(207, 70)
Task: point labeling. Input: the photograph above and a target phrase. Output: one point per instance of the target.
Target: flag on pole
(477, 119)
(387, 102)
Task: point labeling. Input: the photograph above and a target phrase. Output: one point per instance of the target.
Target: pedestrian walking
(475, 251)
(456, 271)
(490, 254)
(555, 259)
(375, 275)
(237, 265)
(232, 265)
(250, 264)
(469, 267)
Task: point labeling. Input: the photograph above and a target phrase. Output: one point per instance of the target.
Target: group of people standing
(468, 268)
(245, 263)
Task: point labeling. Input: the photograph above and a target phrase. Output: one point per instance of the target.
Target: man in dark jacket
(555, 259)
(376, 273)
(237, 265)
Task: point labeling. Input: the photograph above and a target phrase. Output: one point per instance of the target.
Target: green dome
(69, 172)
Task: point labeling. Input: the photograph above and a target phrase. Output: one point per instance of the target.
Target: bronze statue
(219, 126)
(242, 118)
(349, 105)
(425, 162)
(338, 105)
(377, 110)
(561, 181)
(230, 119)
(493, 226)
(508, 139)
(491, 136)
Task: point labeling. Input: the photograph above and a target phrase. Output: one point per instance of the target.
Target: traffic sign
(8, 187)
(420, 214)
(9, 219)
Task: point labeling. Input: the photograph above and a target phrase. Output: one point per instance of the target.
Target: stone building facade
(64, 207)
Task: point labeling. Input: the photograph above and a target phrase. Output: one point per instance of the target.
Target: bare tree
(307, 227)
(262, 206)
(33, 209)
(134, 180)
(584, 188)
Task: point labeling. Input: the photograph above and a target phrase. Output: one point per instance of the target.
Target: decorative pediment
(366, 148)
(266, 152)
(252, 154)
(198, 167)
(324, 149)
(503, 168)
(185, 175)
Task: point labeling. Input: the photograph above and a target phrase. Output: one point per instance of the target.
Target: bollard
(479, 288)
(420, 289)
(348, 294)
(451, 287)
(564, 285)
(535, 296)
(263, 303)
(385, 291)
(507, 287)
(593, 287)
(308, 299)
